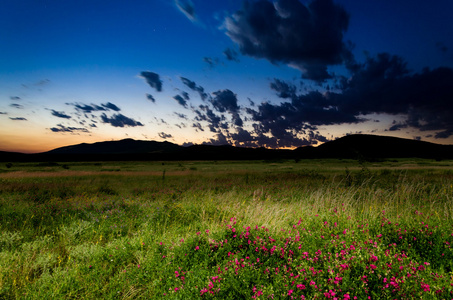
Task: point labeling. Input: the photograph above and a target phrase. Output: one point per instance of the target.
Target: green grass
(227, 230)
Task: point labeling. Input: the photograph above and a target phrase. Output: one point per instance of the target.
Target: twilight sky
(272, 73)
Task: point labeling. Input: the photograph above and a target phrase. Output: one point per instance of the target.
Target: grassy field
(314, 229)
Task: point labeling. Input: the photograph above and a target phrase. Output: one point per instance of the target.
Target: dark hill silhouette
(126, 146)
(363, 146)
(360, 146)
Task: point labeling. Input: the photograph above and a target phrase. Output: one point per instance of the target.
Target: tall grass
(197, 234)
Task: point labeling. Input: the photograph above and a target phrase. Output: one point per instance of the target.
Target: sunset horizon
(276, 74)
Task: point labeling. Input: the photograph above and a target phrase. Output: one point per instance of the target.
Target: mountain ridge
(358, 146)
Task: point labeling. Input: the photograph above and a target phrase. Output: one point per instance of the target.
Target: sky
(257, 73)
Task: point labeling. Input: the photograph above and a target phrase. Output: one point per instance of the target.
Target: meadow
(312, 229)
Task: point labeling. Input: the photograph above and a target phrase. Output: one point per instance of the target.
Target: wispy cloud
(15, 105)
(18, 119)
(62, 128)
(110, 106)
(60, 114)
(150, 98)
(120, 120)
(153, 80)
(164, 135)
(187, 8)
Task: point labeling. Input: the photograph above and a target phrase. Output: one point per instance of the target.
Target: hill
(359, 146)
(363, 146)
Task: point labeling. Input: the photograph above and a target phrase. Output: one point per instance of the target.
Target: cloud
(111, 106)
(194, 87)
(60, 114)
(152, 79)
(62, 128)
(15, 98)
(181, 116)
(150, 98)
(442, 47)
(219, 140)
(389, 88)
(198, 126)
(225, 100)
(3, 113)
(211, 61)
(163, 135)
(185, 95)
(187, 8)
(309, 38)
(87, 108)
(19, 119)
(380, 85)
(214, 121)
(243, 138)
(42, 82)
(180, 100)
(119, 120)
(15, 105)
(397, 126)
(283, 89)
(231, 54)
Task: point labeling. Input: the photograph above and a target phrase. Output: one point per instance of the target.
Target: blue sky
(278, 74)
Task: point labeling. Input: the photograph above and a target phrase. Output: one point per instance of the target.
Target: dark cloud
(211, 61)
(187, 8)
(231, 54)
(198, 126)
(180, 100)
(119, 120)
(243, 138)
(62, 128)
(152, 79)
(15, 98)
(397, 126)
(194, 87)
(307, 37)
(87, 108)
(225, 101)
(185, 95)
(60, 114)
(283, 89)
(181, 116)
(111, 106)
(15, 105)
(19, 119)
(441, 46)
(163, 135)
(219, 140)
(384, 85)
(3, 113)
(160, 121)
(381, 85)
(150, 98)
(208, 115)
